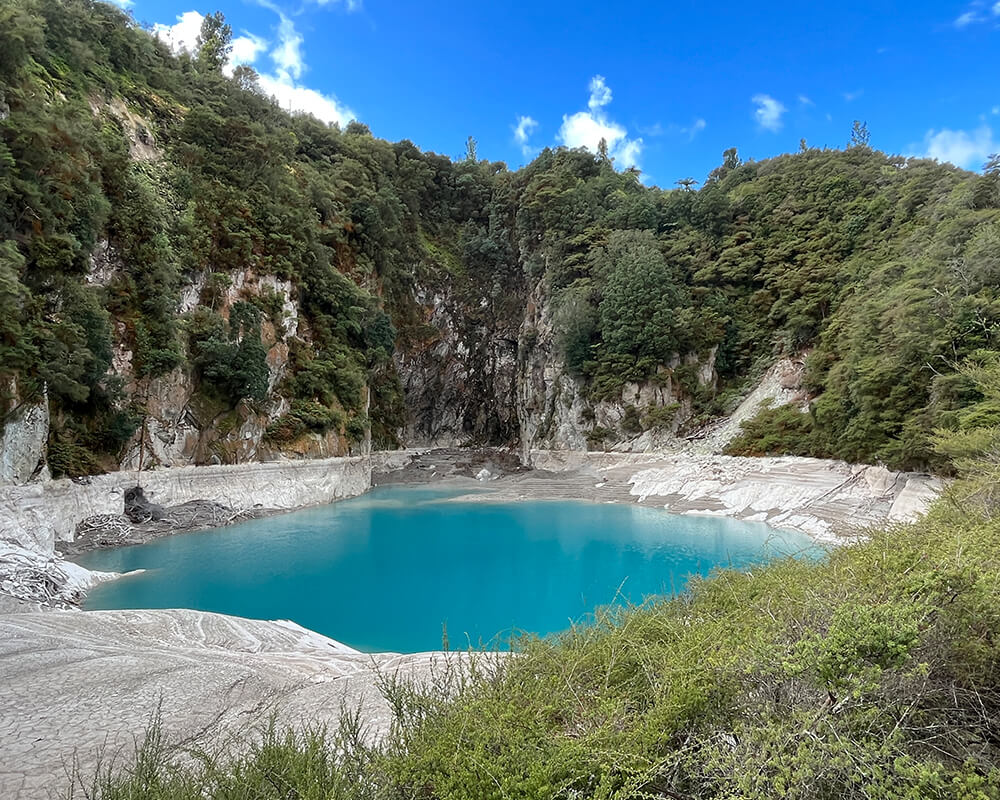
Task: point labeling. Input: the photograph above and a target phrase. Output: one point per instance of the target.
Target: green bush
(631, 420)
(305, 416)
(597, 435)
(781, 431)
(661, 418)
(230, 357)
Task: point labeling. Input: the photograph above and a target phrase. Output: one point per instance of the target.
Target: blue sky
(670, 85)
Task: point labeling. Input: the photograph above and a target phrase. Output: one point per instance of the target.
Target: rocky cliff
(460, 379)
(481, 378)
(557, 410)
(479, 373)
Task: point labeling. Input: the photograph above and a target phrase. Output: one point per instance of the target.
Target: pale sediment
(37, 515)
(77, 685)
(828, 500)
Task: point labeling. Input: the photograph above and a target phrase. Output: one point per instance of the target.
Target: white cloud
(292, 97)
(182, 36)
(961, 148)
(805, 100)
(522, 132)
(694, 129)
(587, 128)
(995, 110)
(850, 97)
(628, 152)
(289, 64)
(287, 55)
(584, 129)
(768, 112)
(246, 48)
(349, 5)
(600, 93)
(283, 84)
(977, 13)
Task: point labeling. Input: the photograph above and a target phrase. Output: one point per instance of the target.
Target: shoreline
(224, 673)
(830, 501)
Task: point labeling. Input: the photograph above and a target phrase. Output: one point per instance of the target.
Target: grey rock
(22, 442)
(139, 509)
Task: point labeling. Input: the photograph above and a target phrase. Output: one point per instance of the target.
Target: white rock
(22, 442)
(35, 516)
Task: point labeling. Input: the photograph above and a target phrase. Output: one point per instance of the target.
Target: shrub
(631, 420)
(784, 430)
(597, 435)
(661, 418)
(305, 416)
(230, 357)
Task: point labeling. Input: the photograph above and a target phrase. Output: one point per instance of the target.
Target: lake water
(393, 569)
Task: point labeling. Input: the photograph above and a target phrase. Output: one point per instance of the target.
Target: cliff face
(22, 442)
(482, 377)
(557, 411)
(482, 371)
(460, 381)
(183, 426)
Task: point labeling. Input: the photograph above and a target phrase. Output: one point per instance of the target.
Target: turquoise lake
(395, 568)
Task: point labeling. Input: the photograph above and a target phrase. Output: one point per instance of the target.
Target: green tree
(576, 323)
(860, 136)
(246, 78)
(641, 298)
(214, 43)
(22, 32)
(972, 441)
(602, 151)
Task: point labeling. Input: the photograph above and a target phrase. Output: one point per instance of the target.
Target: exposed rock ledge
(76, 683)
(37, 515)
(829, 500)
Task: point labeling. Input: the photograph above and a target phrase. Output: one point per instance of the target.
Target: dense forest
(882, 270)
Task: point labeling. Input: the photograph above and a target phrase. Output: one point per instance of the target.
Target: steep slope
(190, 275)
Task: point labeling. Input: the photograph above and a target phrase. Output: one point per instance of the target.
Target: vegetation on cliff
(128, 174)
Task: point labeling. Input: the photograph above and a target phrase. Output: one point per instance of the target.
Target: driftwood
(205, 514)
(115, 530)
(34, 578)
(109, 529)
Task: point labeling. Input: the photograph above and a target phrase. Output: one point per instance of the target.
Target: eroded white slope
(73, 683)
